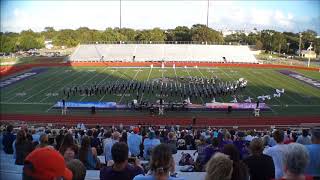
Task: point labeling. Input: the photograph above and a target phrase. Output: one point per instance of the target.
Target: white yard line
(147, 81)
(135, 76)
(65, 86)
(17, 88)
(40, 84)
(25, 103)
(48, 87)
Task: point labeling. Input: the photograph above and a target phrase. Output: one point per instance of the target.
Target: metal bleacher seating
(163, 52)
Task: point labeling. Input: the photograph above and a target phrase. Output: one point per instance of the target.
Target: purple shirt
(209, 152)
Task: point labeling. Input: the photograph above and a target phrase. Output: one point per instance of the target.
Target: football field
(37, 94)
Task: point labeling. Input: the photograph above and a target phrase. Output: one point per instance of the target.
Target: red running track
(158, 120)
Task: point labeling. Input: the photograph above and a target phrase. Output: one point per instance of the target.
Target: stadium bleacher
(163, 52)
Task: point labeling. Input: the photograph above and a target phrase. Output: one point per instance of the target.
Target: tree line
(269, 40)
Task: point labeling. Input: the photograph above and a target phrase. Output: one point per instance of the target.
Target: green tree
(30, 40)
(8, 42)
(259, 45)
(201, 33)
(66, 37)
(155, 34)
(180, 33)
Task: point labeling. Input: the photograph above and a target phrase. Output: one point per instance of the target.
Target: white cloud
(146, 14)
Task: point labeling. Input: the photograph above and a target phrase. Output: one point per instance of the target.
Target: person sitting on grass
(121, 168)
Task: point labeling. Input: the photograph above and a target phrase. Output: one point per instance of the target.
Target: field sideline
(38, 94)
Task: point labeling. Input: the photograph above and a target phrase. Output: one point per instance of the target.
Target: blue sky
(293, 15)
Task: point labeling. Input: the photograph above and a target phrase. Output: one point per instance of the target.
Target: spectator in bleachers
(189, 140)
(121, 169)
(200, 161)
(106, 138)
(77, 168)
(124, 137)
(226, 139)
(240, 170)
(44, 141)
(7, 141)
(161, 165)
(148, 144)
(211, 149)
(277, 153)
(295, 161)
(108, 146)
(292, 137)
(260, 166)
(68, 149)
(241, 144)
(96, 143)
(304, 138)
(45, 163)
(88, 155)
(172, 142)
(134, 142)
(59, 139)
(35, 135)
(313, 149)
(23, 147)
(219, 167)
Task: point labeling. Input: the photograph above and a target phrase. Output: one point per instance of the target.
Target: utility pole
(207, 22)
(120, 14)
(300, 34)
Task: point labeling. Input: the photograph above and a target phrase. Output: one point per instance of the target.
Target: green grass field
(39, 93)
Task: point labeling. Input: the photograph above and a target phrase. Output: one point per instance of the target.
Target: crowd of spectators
(146, 153)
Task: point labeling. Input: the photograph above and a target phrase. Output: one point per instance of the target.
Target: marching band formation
(185, 87)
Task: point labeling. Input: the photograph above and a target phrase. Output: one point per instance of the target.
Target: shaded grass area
(31, 60)
(35, 95)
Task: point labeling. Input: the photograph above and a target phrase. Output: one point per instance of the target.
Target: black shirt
(261, 167)
(107, 173)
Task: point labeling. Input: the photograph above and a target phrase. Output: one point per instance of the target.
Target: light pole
(207, 22)
(300, 35)
(309, 53)
(120, 14)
